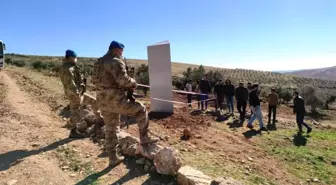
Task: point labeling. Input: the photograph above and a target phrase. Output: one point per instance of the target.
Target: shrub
(8, 61)
(39, 65)
(286, 96)
(19, 63)
(142, 77)
(330, 100)
(309, 94)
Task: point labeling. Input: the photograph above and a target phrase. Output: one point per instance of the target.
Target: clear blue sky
(258, 34)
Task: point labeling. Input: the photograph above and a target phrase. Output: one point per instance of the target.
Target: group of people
(245, 96)
(112, 83)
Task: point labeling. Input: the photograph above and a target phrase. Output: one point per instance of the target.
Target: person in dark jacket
(198, 96)
(229, 93)
(300, 111)
(255, 106)
(219, 92)
(205, 89)
(241, 98)
(249, 88)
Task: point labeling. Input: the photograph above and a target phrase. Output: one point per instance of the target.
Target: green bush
(39, 65)
(142, 77)
(19, 63)
(8, 61)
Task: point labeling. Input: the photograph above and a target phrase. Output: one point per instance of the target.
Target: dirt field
(35, 149)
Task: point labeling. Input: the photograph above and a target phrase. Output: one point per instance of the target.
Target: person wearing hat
(73, 85)
(112, 81)
(255, 106)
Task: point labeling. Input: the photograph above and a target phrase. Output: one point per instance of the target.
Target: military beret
(115, 44)
(70, 53)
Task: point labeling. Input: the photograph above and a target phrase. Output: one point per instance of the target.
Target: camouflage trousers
(112, 103)
(76, 101)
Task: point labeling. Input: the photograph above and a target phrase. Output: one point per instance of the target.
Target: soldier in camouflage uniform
(73, 88)
(112, 81)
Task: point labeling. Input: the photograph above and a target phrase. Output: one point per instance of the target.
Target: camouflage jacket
(110, 73)
(71, 79)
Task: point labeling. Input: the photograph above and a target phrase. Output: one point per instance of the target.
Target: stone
(198, 136)
(73, 175)
(186, 134)
(140, 161)
(249, 158)
(149, 151)
(225, 181)
(189, 176)
(65, 167)
(146, 168)
(167, 161)
(12, 182)
(35, 145)
(315, 180)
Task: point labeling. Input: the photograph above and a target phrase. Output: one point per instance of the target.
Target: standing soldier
(111, 80)
(74, 87)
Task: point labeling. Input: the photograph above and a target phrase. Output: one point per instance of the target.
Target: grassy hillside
(324, 87)
(328, 73)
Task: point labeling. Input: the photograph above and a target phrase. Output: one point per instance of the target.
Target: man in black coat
(300, 111)
(219, 92)
(229, 93)
(241, 97)
(205, 89)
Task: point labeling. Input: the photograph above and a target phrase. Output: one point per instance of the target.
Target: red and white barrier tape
(178, 91)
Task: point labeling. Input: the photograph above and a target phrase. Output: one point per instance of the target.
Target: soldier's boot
(74, 133)
(146, 139)
(115, 159)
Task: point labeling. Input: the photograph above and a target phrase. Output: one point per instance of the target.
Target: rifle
(129, 92)
(84, 81)
(131, 74)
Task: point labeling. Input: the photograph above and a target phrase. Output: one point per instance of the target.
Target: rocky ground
(35, 148)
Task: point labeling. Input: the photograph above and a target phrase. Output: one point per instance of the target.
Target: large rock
(189, 176)
(149, 151)
(167, 161)
(128, 144)
(225, 181)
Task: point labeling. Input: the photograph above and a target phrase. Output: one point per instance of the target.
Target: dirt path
(27, 129)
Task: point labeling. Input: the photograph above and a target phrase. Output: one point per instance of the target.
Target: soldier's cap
(70, 53)
(115, 44)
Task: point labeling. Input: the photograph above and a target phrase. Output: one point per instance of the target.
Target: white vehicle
(2, 54)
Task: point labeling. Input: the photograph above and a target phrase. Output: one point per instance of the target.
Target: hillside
(328, 73)
(270, 79)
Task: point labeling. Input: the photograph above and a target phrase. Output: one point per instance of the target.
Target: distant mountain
(284, 71)
(328, 73)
